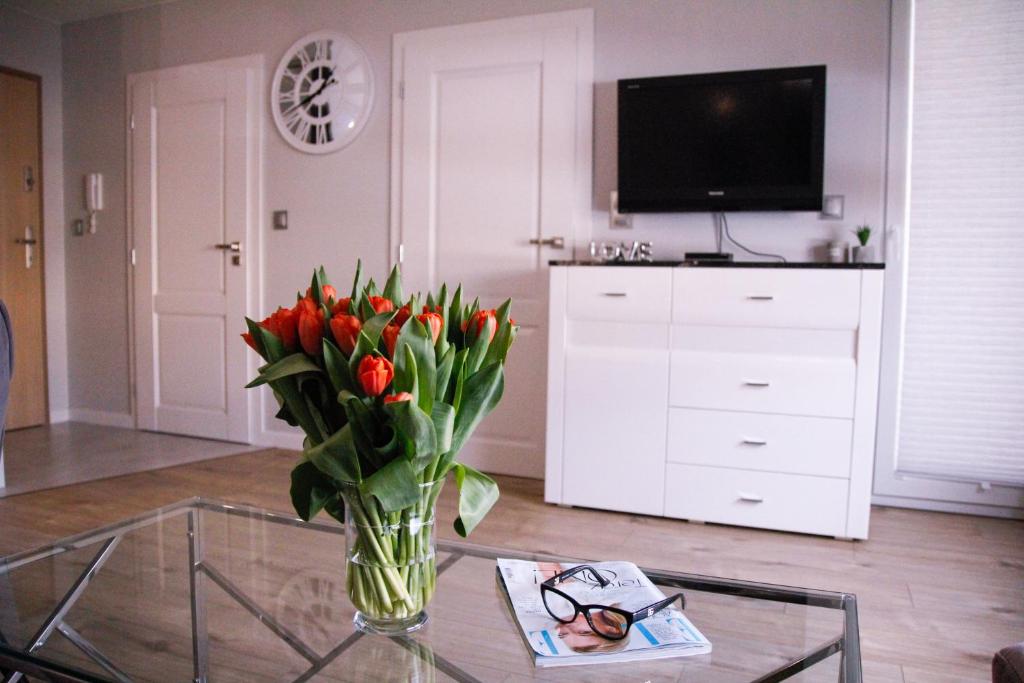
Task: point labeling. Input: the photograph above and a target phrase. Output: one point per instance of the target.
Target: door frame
(252, 263)
(892, 487)
(41, 237)
(580, 19)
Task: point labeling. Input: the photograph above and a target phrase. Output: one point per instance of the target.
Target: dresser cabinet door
(615, 429)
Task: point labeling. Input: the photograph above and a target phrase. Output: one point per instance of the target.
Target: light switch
(832, 206)
(280, 220)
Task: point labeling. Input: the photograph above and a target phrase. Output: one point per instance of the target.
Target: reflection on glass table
(210, 591)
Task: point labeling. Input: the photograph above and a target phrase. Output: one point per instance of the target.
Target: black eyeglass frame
(548, 585)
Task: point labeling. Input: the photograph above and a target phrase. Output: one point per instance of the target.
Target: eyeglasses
(605, 620)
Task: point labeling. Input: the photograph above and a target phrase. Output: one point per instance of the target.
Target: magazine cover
(667, 633)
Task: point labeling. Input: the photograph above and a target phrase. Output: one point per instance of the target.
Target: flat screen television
(737, 141)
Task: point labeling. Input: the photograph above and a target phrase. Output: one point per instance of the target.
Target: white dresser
(733, 394)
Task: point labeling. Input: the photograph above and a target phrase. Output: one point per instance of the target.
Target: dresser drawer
(792, 385)
(620, 294)
(787, 502)
(756, 441)
(766, 297)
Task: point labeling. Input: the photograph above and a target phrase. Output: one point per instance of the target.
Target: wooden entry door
(194, 150)
(492, 178)
(21, 244)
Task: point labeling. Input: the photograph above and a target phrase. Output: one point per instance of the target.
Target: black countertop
(722, 264)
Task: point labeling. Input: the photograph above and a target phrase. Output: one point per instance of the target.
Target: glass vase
(390, 566)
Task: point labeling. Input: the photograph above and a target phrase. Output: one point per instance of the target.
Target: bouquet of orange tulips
(387, 389)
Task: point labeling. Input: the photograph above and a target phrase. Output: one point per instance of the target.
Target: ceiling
(65, 11)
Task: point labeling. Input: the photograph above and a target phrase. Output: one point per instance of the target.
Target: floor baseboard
(100, 417)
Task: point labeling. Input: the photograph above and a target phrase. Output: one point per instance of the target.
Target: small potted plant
(862, 253)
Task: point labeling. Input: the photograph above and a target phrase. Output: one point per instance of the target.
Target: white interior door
(194, 146)
(492, 154)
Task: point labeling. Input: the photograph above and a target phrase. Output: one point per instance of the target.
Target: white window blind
(962, 395)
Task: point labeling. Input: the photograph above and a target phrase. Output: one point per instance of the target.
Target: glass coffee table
(209, 591)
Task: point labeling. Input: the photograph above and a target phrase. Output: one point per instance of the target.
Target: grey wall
(34, 45)
(338, 203)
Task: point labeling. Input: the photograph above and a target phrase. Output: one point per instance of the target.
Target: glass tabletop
(210, 591)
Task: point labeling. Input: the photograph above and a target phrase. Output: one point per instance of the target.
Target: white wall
(34, 45)
(338, 203)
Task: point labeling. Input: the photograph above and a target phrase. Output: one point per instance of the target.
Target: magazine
(667, 633)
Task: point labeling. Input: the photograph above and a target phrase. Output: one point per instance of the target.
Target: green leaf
(371, 288)
(394, 485)
(269, 342)
(444, 373)
(365, 430)
(316, 286)
(454, 320)
(337, 367)
(337, 456)
(416, 337)
(418, 429)
(254, 328)
(356, 282)
(369, 338)
(480, 395)
(406, 378)
(477, 350)
(393, 287)
(477, 495)
(311, 490)
(443, 417)
(294, 364)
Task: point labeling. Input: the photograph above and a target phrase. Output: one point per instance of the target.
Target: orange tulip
(375, 374)
(403, 314)
(390, 335)
(341, 306)
(380, 304)
(345, 329)
(327, 292)
(433, 322)
(479, 322)
(283, 324)
(400, 396)
(305, 304)
(250, 341)
(311, 331)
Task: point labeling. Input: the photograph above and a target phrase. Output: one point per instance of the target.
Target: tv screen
(738, 141)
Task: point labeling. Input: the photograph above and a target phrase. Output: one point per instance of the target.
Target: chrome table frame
(16, 663)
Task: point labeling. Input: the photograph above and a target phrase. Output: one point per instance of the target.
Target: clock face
(322, 92)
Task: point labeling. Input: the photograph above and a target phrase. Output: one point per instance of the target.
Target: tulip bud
(327, 292)
(341, 306)
(400, 396)
(345, 329)
(403, 314)
(375, 374)
(283, 324)
(380, 304)
(250, 341)
(480, 322)
(390, 335)
(311, 331)
(433, 322)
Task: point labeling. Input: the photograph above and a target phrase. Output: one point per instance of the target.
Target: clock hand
(309, 98)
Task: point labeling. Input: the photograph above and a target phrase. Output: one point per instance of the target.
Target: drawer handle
(755, 442)
(761, 297)
(614, 294)
(751, 497)
(756, 383)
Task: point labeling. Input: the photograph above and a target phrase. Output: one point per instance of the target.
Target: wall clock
(322, 92)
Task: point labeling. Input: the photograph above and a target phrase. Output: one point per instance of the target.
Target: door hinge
(401, 90)
(401, 252)
(133, 257)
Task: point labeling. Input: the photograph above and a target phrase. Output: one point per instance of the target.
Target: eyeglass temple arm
(569, 573)
(650, 610)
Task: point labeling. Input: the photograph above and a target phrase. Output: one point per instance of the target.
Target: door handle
(553, 242)
(756, 383)
(235, 247)
(750, 497)
(761, 297)
(18, 240)
(755, 442)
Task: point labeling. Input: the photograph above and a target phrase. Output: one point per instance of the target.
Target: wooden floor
(39, 458)
(937, 593)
